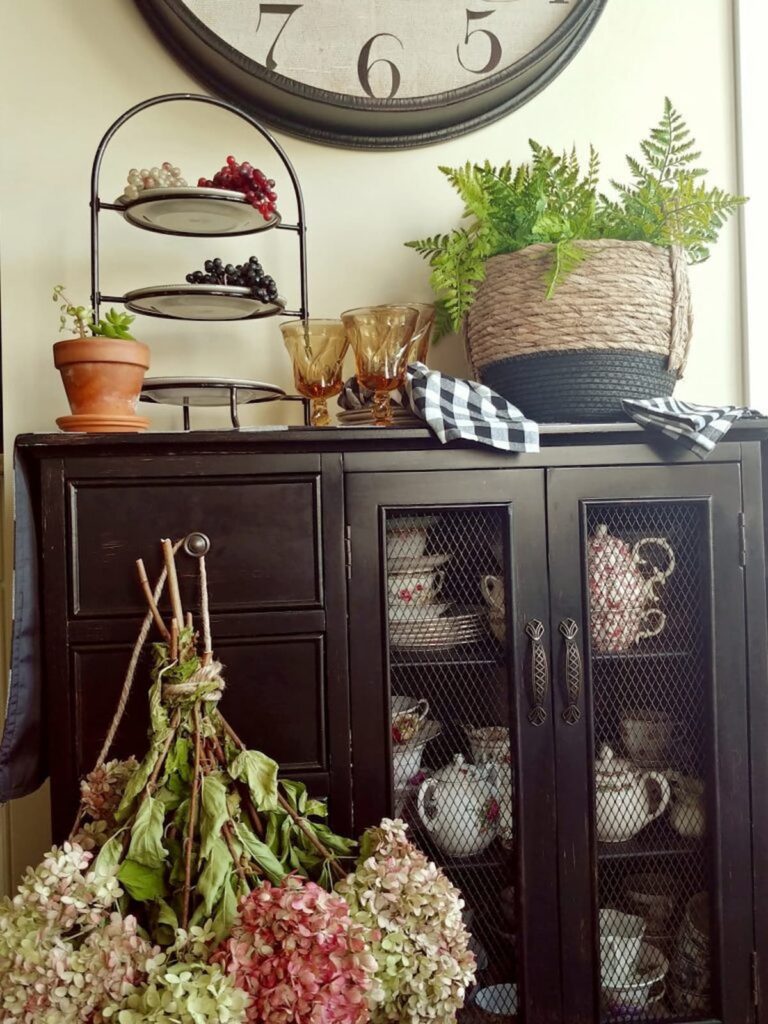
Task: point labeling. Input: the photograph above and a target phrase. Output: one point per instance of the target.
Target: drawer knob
(197, 545)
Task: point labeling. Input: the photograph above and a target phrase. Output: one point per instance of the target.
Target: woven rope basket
(625, 297)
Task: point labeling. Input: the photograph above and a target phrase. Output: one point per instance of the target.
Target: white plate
(415, 563)
(200, 302)
(187, 210)
(402, 613)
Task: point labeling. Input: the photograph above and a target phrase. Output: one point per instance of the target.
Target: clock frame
(365, 121)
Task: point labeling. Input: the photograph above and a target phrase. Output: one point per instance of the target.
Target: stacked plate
(462, 626)
(362, 417)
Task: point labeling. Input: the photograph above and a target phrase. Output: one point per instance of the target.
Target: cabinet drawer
(264, 532)
(275, 700)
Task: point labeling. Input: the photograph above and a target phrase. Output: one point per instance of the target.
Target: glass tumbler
(381, 340)
(317, 349)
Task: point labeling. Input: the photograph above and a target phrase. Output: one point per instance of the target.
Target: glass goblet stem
(381, 410)
(319, 416)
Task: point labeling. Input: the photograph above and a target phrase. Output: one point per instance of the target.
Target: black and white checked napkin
(456, 409)
(698, 427)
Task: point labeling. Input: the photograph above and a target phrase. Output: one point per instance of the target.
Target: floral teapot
(621, 590)
(623, 801)
(459, 808)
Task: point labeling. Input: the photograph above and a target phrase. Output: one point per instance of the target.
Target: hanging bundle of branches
(202, 820)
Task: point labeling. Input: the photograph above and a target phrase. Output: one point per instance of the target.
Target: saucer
(399, 564)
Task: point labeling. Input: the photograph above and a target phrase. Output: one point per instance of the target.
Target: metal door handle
(537, 713)
(573, 671)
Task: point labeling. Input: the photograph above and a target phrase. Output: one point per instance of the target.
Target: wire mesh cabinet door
(451, 707)
(652, 743)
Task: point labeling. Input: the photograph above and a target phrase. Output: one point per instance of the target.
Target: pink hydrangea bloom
(299, 957)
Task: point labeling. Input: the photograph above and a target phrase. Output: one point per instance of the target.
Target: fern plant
(551, 199)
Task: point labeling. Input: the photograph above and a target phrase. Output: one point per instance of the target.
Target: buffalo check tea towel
(698, 427)
(456, 409)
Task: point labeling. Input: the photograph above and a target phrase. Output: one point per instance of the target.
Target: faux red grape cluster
(257, 188)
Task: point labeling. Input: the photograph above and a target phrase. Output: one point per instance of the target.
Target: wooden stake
(174, 645)
(150, 599)
(173, 581)
(226, 831)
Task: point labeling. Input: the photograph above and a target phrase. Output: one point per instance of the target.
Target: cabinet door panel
(653, 791)
(448, 571)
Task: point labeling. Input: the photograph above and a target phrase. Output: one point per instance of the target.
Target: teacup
(493, 592)
(407, 715)
(646, 735)
(621, 938)
(406, 538)
(407, 589)
(642, 988)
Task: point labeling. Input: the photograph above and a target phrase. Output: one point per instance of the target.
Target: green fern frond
(551, 199)
(566, 256)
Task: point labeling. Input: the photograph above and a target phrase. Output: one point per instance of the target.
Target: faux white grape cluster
(166, 176)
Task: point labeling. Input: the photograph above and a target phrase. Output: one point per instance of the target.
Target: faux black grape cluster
(245, 275)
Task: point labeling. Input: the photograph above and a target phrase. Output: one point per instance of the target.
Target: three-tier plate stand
(199, 212)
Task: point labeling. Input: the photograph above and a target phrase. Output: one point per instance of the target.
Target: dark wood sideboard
(332, 552)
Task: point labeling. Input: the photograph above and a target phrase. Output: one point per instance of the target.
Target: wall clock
(375, 73)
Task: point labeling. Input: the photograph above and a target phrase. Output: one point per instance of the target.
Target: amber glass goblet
(317, 348)
(381, 339)
(422, 336)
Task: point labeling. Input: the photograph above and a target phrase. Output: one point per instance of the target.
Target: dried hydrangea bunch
(299, 957)
(183, 994)
(412, 914)
(65, 953)
(100, 794)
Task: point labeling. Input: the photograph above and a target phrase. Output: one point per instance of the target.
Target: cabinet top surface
(345, 438)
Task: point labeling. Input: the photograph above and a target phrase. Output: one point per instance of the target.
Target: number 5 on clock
(287, 10)
(495, 54)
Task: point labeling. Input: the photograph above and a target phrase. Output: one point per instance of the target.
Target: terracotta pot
(102, 378)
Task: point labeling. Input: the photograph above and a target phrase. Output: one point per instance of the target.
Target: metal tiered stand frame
(188, 392)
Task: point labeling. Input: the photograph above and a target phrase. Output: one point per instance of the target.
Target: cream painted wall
(67, 69)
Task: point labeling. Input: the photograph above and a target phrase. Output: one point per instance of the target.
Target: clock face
(375, 72)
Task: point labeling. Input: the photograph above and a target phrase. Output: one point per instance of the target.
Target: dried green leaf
(217, 868)
(260, 853)
(213, 811)
(147, 834)
(142, 883)
(259, 772)
(165, 923)
(109, 856)
(227, 910)
(296, 794)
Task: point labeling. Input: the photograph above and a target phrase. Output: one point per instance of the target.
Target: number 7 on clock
(287, 11)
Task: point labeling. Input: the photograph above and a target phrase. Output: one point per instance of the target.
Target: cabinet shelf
(651, 842)
(462, 654)
(639, 656)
